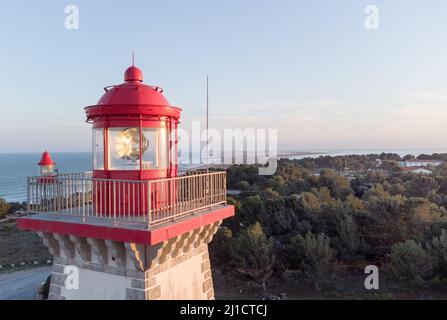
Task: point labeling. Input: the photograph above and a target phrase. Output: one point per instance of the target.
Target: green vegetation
(4, 208)
(437, 249)
(314, 256)
(10, 207)
(44, 289)
(318, 217)
(252, 254)
(410, 263)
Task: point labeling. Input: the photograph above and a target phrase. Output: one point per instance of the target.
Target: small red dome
(133, 74)
(46, 160)
(133, 91)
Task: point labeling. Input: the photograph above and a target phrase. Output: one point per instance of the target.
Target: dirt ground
(344, 287)
(17, 246)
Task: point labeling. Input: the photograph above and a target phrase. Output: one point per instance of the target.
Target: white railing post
(28, 196)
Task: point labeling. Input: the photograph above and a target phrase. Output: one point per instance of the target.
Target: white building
(414, 163)
(422, 171)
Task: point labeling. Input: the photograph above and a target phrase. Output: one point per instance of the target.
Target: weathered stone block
(207, 284)
(206, 266)
(155, 293)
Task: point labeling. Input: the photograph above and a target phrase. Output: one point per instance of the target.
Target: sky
(309, 68)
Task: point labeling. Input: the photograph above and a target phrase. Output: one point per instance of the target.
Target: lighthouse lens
(125, 148)
(127, 144)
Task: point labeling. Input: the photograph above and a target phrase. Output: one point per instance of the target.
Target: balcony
(147, 204)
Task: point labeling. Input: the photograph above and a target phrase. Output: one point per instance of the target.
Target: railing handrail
(190, 176)
(150, 201)
(67, 176)
(62, 175)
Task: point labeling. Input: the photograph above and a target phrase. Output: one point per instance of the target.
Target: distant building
(417, 170)
(414, 163)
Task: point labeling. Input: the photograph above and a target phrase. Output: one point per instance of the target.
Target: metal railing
(151, 202)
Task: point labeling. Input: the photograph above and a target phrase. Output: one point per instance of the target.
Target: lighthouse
(133, 227)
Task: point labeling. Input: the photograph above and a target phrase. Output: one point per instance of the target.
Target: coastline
(16, 167)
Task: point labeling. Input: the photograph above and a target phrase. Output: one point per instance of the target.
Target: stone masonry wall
(178, 268)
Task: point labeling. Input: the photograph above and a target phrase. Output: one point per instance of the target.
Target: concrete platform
(134, 230)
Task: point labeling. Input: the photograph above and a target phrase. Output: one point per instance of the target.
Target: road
(22, 285)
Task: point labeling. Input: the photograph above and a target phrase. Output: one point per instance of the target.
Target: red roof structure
(46, 160)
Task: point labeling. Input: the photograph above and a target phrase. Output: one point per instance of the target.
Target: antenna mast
(207, 126)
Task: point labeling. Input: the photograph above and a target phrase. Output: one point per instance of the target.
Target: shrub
(4, 208)
(314, 256)
(44, 289)
(16, 206)
(410, 263)
(348, 238)
(221, 245)
(252, 254)
(438, 250)
(243, 185)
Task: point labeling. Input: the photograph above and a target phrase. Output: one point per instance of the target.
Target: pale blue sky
(308, 68)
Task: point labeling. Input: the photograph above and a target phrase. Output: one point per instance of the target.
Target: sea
(16, 167)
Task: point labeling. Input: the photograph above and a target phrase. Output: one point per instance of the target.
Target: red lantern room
(46, 165)
(134, 131)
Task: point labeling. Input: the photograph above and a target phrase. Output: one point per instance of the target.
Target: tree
(270, 194)
(438, 250)
(427, 211)
(314, 256)
(4, 208)
(410, 263)
(243, 185)
(338, 185)
(420, 185)
(221, 245)
(251, 207)
(354, 204)
(376, 193)
(280, 222)
(310, 202)
(252, 254)
(348, 237)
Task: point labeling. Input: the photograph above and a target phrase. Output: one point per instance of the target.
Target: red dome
(133, 74)
(133, 91)
(46, 160)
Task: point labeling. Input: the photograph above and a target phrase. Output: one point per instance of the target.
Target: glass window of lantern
(156, 155)
(124, 148)
(47, 170)
(173, 146)
(98, 148)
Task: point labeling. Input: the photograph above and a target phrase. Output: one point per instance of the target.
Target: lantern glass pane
(124, 148)
(98, 148)
(173, 146)
(46, 170)
(156, 155)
